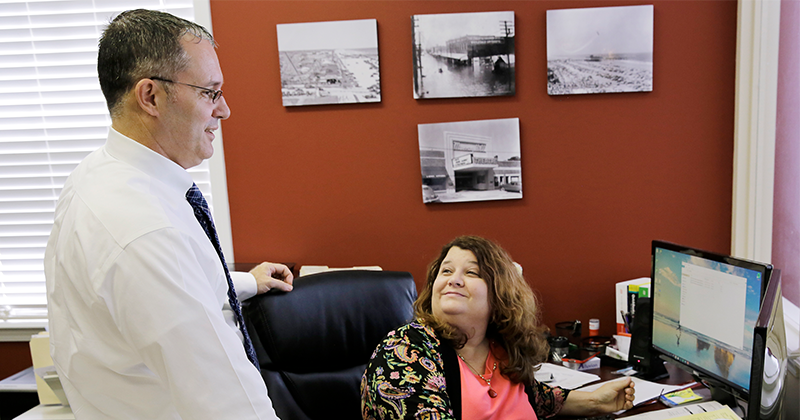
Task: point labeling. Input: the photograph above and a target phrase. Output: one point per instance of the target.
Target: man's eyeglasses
(212, 94)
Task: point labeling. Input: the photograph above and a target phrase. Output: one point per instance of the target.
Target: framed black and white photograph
(460, 55)
(470, 161)
(600, 50)
(329, 62)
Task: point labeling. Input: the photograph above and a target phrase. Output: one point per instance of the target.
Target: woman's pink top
(511, 402)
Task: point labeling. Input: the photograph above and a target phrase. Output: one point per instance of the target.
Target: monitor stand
(654, 371)
(721, 396)
(719, 391)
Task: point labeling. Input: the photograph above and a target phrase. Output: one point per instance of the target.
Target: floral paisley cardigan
(413, 375)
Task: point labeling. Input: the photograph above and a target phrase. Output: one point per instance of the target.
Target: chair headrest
(329, 321)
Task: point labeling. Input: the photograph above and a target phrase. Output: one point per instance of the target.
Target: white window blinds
(52, 114)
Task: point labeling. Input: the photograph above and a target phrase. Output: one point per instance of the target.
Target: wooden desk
(677, 377)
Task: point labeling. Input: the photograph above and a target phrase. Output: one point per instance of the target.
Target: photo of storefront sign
(470, 161)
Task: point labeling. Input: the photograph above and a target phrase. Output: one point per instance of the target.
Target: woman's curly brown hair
(514, 319)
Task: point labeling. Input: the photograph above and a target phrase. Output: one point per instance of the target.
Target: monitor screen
(705, 310)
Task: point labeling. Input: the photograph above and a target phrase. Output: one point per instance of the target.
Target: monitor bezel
(764, 268)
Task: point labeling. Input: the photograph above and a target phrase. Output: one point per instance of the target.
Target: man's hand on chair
(272, 276)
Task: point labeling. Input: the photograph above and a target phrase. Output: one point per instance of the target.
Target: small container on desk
(594, 327)
(582, 360)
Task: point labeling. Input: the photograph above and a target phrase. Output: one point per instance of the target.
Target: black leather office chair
(313, 343)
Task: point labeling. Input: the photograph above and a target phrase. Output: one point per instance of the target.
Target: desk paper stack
(555, 375)
(23, 381)
(708, 410)
(40, 354)
(724, 413)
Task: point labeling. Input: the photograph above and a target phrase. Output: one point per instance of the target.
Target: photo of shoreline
(600, 50)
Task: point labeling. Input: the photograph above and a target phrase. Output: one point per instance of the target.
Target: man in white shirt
(140, 321)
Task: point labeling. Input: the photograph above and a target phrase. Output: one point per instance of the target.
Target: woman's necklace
(492, 393)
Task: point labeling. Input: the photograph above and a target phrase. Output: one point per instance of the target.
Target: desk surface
(23, 381)
(677, 376)
(47, 412)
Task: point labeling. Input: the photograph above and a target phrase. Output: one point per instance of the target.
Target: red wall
(16, 356)
(603, 175)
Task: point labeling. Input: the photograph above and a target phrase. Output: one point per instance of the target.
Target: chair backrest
(314, 342)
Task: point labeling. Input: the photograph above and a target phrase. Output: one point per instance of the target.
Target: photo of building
(470, 161)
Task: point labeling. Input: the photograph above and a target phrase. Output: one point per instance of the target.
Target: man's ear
(145, 93)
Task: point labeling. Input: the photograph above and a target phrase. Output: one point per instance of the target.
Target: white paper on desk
(22, 381)
(563, 376)
(644, 390)
(679, 411)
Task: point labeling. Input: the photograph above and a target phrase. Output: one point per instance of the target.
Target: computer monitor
(717, 316)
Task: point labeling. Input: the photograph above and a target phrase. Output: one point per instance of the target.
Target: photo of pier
(463, 55)
(329, 62)
(600, 50)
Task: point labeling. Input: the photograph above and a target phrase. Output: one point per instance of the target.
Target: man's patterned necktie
(203, 215)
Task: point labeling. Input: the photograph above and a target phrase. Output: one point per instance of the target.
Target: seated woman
(473, 349)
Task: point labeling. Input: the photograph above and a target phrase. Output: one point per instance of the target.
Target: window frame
(22, 330)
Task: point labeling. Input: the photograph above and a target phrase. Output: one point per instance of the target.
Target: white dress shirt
(136, 297)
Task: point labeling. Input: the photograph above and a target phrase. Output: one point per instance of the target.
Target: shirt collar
(148, 161)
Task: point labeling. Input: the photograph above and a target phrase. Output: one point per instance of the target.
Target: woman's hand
(615, 395)
(612, 396)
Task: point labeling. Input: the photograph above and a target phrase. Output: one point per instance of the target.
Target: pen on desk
(623, 371)
(685, 386)
(625, 320)
(650, 400)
